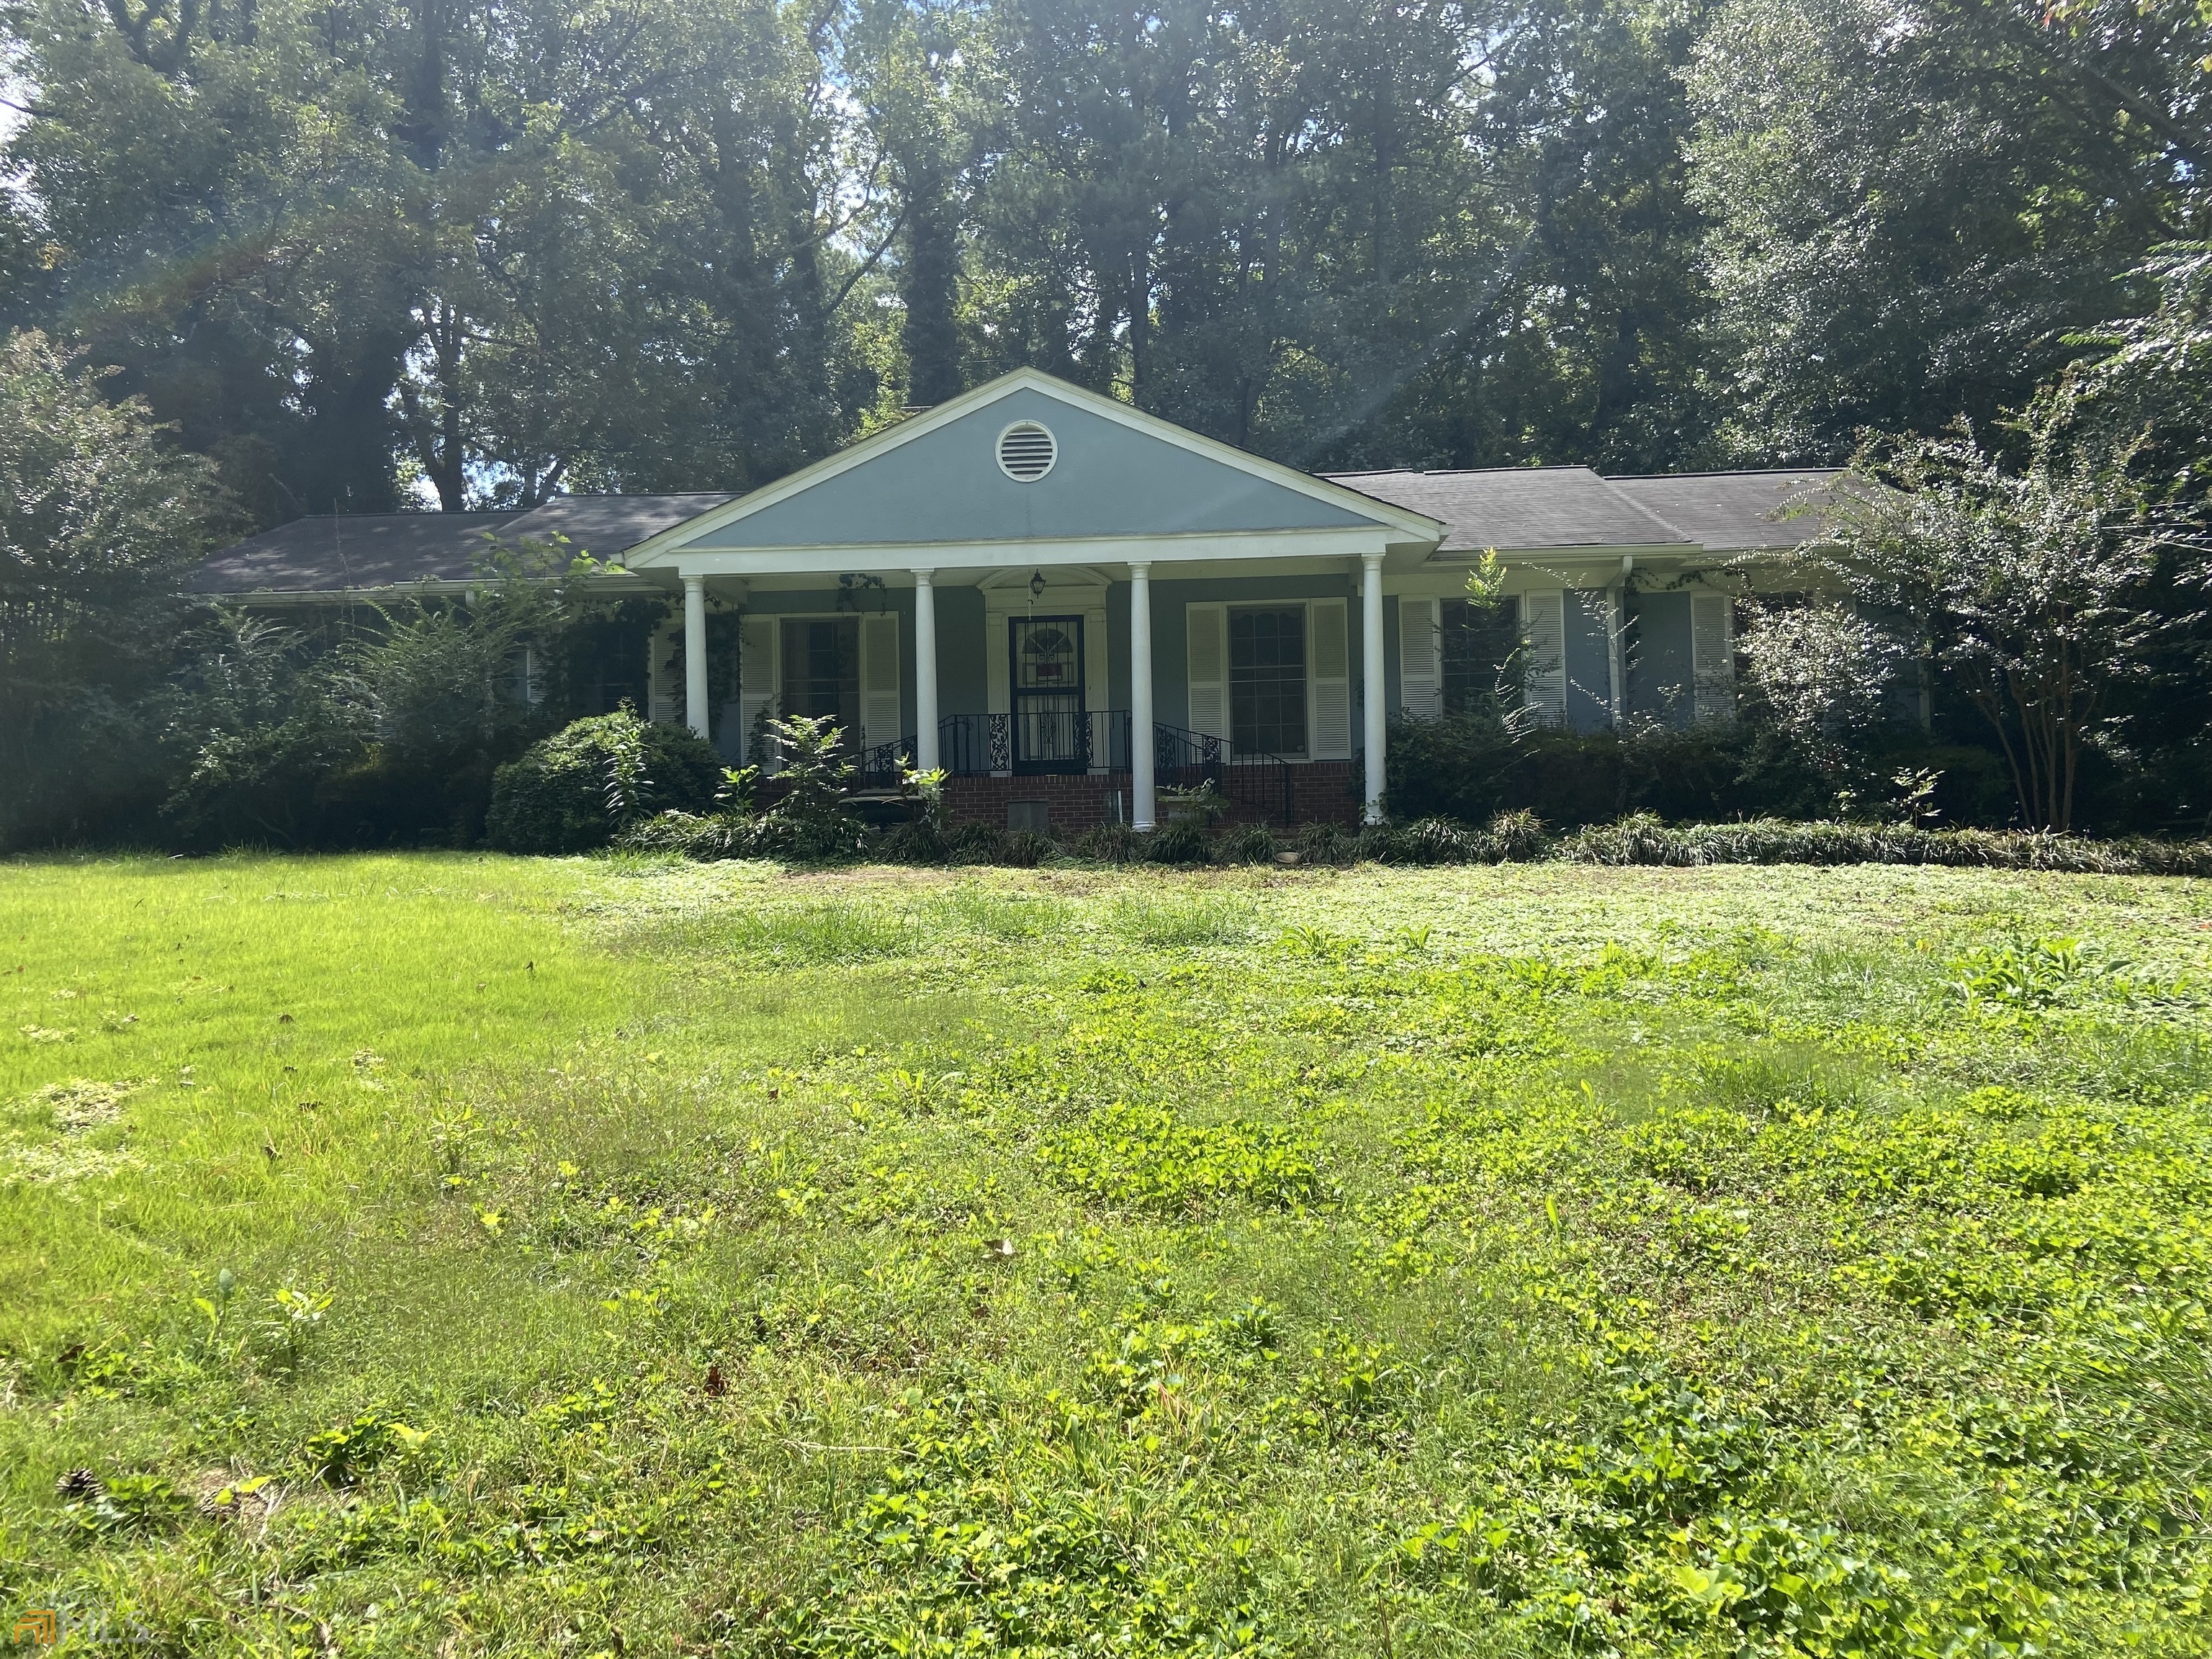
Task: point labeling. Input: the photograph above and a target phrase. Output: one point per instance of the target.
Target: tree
(100, 516)
(1914, 202)
(2032, 587)
(1824, 674)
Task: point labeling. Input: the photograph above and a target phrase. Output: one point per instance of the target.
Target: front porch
(1027, 688)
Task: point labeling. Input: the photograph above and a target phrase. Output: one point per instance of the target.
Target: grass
(450, 1255)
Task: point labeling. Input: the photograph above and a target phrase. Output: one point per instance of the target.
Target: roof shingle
(1518, 507)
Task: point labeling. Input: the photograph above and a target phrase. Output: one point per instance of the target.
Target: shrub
(1254, 844)
(1326, 843)
(1642, 839)
(576, 789)
(921, 842)
(1110, 843)
(1182, 843)
(976, 843)
(1025, 849)
(716, 835)
(814, 776)
(1472, 769)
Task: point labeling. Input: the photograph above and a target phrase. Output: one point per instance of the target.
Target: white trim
(1235, 547)
(679, 538)
(1069, 591)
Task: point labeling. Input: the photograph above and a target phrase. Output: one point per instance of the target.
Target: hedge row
(1511, 837)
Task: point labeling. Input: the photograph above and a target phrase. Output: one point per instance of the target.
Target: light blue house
(1040, 585)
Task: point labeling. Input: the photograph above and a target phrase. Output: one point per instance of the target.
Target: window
(1267, 678)
(822, 670)
(1481, 659)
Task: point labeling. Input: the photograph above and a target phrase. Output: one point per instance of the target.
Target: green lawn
(438, 1255)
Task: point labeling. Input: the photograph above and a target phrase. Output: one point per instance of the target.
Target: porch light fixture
(1036, 585)
(1027, 452)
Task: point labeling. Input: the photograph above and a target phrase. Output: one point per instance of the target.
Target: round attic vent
(1026, 451)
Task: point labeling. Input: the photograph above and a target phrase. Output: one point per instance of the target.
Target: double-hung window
(1481, 653)
(822, 670)
(1267, 678)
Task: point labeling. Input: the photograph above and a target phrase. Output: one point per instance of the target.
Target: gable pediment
(1117, 475)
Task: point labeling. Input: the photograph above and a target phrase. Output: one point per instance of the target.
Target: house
(1064, 601)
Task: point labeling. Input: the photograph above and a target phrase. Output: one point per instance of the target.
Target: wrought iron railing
(1096, 741)
(1249, 778)
(878, 766)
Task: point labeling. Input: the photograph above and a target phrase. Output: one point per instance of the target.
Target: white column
(1371, 672)
(924, 670)
(1140, 696)
(695, 655)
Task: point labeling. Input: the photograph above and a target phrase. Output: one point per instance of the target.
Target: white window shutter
(1208, 659)
(664, 681)
(1712, 657)
(1420, 667)
(756, 682)
(1328, 732)
(879, 680)
(1544, 622)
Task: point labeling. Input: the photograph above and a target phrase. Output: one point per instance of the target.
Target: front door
(1050, 732)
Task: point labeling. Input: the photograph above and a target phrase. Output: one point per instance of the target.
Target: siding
(1110, 480)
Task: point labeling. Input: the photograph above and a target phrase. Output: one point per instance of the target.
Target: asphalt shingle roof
(1507, 507)
(1518, 507)
(333, 555)
(1735, 511)
(605, 526)
(329, 555)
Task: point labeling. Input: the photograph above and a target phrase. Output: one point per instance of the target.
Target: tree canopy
(365, 253)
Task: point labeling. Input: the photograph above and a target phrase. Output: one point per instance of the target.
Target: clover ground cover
(610, 1256)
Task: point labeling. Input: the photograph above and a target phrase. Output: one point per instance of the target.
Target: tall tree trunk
(930, 287)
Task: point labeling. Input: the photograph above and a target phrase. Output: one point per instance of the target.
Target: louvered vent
(1026, 451)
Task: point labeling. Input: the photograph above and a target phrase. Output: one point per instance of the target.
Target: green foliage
(1129, 1156)
(100, 517)
(579, 788)
(346, 1453)
(129, 1503)
(2033, 587)
(814, 772)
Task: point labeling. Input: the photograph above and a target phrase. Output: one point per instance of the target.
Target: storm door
(1051, 733)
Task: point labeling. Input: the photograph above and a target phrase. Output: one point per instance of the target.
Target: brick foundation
(1321, 792)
